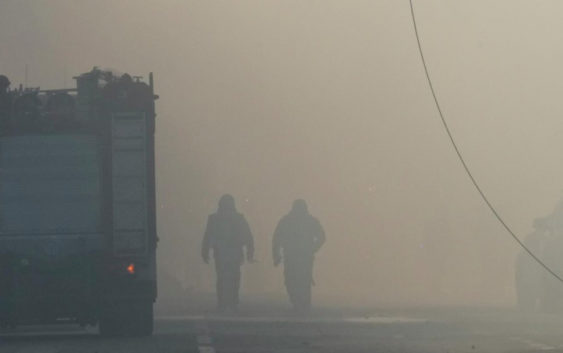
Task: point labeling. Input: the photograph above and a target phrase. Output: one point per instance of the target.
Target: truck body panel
(50, 184)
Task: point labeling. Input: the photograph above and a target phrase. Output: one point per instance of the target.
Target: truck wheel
(141, 320)
(128, 319)
(109, 326)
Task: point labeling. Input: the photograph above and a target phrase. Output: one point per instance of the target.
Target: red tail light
(131, 269)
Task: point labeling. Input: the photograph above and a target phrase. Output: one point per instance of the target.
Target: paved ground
(478, 330)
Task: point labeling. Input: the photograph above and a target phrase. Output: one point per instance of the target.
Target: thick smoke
(326, 101)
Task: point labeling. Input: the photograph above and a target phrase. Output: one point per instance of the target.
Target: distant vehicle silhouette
(537, 290)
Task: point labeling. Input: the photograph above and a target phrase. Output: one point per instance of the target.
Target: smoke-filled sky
(327, 100)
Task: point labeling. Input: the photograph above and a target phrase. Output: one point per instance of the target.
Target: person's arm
(276, 245)
(248, 240)
(206, 243)
(320, 237)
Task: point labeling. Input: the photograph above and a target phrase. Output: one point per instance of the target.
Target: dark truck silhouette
(77, 204)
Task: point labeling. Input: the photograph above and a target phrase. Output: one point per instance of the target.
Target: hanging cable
(462, 160)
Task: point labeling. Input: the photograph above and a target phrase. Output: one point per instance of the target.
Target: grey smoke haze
(327, 101)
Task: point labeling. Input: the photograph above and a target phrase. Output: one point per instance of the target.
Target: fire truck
(77, 204)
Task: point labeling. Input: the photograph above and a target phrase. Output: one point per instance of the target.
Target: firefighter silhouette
(227, 234)
(298, 236)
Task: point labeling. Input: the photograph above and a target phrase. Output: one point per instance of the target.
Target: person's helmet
(227, 203)
(299, 206)
(4, 82)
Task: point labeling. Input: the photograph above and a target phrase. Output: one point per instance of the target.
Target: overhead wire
(462, 160)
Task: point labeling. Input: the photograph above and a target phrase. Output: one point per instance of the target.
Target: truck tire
(141, 319)
(133, 318)
(108, 327)
(111, 320)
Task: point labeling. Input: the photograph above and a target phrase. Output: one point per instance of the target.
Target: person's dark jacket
(227, 232)
(299, 234)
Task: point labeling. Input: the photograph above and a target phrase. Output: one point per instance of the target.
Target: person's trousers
(298, 281)
(228, 284)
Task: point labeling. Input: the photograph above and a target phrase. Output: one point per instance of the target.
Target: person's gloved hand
(277, 261)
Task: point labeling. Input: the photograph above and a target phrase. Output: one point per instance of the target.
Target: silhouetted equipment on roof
(4, 83)
(73, 109)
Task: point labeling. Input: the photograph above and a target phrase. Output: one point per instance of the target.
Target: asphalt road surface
(476, 330)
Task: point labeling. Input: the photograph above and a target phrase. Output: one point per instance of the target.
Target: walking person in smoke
(298, 236)
(227, 234)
